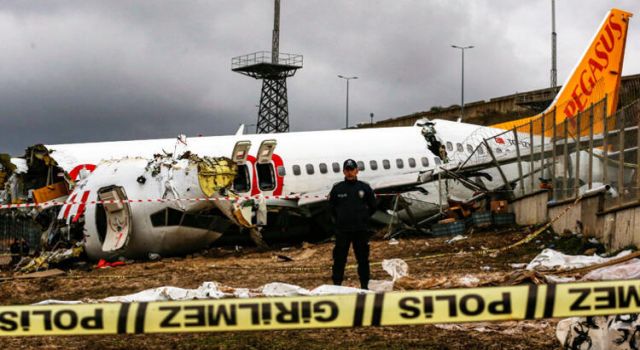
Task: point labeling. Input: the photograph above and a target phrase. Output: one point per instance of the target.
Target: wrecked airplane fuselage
(168, 213)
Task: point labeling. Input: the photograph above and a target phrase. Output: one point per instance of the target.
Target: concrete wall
(531, 209)
(622, 228)
(580, 217)
(615, 229)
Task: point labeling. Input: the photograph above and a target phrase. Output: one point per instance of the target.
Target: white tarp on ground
(396, 268)
(624, 271)
(551, 260)
(212, 290)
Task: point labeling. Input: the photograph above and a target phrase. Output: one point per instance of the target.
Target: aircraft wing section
(402, 182)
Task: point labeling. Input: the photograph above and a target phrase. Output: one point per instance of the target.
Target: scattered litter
(599, 332)
(48, 258)
(558, 279)
(469, 281)
(604, 332)
(396, 268)
(551, 260)
(508, 327)
(285, 249)
(593, 240)
(154, 256)
(393, 241)
(518, 266)
(282, 258)
(456, 238)
(485, 268)
(103, 264)
(40, 274)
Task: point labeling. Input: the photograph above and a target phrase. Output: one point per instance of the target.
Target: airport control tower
(273, 68)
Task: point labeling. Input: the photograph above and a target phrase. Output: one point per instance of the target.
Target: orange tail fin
(596, 76)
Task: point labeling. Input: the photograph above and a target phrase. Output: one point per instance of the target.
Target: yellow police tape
(353, 310)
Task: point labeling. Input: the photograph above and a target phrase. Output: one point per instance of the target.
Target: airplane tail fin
(596, 76)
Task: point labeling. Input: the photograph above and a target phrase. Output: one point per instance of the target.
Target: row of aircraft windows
(373, 165)
(460, 148)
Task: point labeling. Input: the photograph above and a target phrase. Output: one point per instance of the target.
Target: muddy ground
(249, 268)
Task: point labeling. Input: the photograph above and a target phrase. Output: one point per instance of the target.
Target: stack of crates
(482, 219)
(504, 219)
(449, 229)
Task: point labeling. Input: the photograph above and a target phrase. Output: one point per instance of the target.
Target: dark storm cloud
(76, 71)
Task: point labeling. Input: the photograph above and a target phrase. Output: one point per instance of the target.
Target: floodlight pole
(462, 48)
(347, 113)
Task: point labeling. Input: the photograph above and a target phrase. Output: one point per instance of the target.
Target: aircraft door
(264, 166)
(242, 181)
(117, 215)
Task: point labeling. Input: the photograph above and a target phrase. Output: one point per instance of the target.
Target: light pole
(462, 48)
(371, 116)
(347, 79)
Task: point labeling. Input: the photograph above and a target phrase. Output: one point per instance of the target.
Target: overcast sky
(78, 71)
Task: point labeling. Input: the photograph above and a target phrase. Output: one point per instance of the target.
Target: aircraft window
(412, 162)
(336, 167)
(323, 168)
(296, 170)
(498, 150)
(449, 146)
(459, 147)
(386, 164)
(425, 161)
(437, 160)
(360, 165)
(469, 148)
(399, 163)
(242, 181)
(281, 171)
(266, 177)
(309, 168)
(373, 165)
(481, 150)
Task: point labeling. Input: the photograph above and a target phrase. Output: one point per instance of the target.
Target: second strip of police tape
(335, 311)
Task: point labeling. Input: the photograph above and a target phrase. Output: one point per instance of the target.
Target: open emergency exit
(115, 225)
(242, 181)
(264, 166)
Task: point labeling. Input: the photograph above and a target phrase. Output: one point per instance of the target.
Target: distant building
(505, 108)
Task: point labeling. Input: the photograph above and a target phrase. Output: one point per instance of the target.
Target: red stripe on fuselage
(73, 174)
(82, 206)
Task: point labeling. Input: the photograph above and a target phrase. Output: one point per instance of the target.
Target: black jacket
(352, 203)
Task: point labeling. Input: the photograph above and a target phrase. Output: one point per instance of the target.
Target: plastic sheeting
(213, 290)
(623, 271)
(396, 268)
(552, 260)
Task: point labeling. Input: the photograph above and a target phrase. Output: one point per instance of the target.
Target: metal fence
(14, 224)
(572, 156)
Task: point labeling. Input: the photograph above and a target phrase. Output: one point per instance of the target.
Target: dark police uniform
(352, 202)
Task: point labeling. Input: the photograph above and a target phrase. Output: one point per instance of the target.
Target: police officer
(352, 203)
